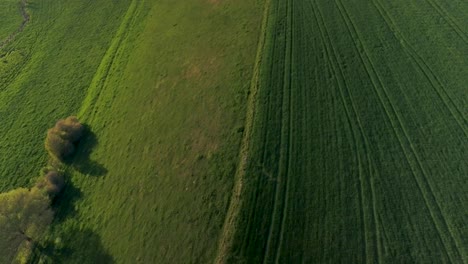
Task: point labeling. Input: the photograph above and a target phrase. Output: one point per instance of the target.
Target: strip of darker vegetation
(26, 213)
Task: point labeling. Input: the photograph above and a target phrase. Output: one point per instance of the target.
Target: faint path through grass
(88, 108)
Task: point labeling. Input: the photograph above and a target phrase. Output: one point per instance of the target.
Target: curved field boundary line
(231, 221)
(99, 80)
(26, 18)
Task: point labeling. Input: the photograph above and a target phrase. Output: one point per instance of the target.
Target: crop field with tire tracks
(359, 149)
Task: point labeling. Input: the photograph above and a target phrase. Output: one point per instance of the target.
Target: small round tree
(52, 183)
(56, 146)
(61, 138)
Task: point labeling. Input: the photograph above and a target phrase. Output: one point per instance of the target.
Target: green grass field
(10, 18)
(165, 99)
(244, 131)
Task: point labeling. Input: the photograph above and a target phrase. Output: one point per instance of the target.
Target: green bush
(61, 138)
(56, 146)
(52, 183)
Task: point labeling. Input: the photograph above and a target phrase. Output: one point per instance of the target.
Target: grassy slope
(10, 18)
(167, 106)
(360, 137)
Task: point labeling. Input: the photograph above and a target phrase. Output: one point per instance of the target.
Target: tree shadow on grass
(64, 204)
(82, 161)
(74, 246)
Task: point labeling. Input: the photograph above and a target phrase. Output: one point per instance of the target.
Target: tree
(58, 147)
(24, 216)
(52, 183)
(70, 129)
(61, 138)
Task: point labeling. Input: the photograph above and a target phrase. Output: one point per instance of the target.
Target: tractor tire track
(26, 18)
(425, 69)
(366, 146)
(446, 16)
(424, 185)
(425, 182)
(98, 85)
(337, 71)
(288, 175)
(282, 181)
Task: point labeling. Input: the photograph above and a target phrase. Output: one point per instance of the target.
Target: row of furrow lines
(358, 136)
(305, 36)
(425, 178)
(310, 113)
(377, 82)
(446, 16)
(436, 84)
(366, 146)
(285, 139)
(331, 115)
(290, 125)
(332, 57)
(374, 85)
(279, 179)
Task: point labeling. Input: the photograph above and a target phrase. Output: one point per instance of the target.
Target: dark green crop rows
(360, 140)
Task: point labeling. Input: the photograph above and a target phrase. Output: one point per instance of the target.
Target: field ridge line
(226, 241)
(99, 80)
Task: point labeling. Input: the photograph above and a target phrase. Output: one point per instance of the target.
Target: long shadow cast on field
(87, 248)
(82, 161)
(75, 245)
(64, 204)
